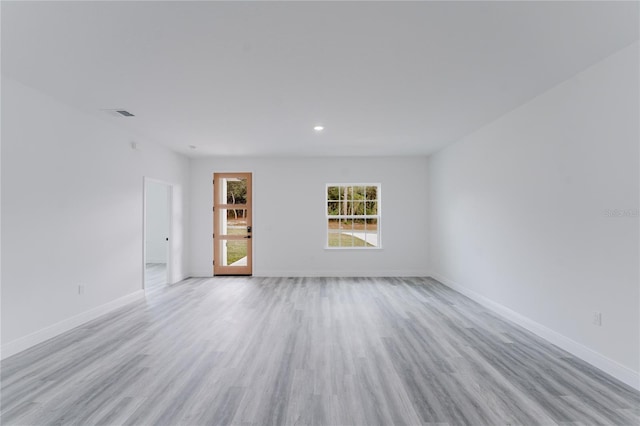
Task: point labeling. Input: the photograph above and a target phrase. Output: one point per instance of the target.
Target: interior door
(232, 226)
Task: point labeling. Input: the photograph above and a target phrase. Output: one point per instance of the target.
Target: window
(353, 216)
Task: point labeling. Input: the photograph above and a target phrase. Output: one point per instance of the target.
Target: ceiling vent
(125, 113)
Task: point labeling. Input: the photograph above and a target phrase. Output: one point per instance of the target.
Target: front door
(232, 246)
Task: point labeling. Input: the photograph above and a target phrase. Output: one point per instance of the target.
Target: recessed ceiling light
(318, 128)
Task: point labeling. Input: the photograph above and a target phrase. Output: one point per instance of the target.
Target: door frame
(218, 268)
(170, 194)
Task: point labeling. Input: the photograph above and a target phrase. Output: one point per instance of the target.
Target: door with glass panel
(232, 242)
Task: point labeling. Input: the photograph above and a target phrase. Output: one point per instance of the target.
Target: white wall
(518, 214)
(72, 200)
(289, 236)
(157, 226)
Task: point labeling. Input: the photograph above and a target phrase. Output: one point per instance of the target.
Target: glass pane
(235, 190)
(344, 191)
(333, 208)
(333, 193)
(371, 225)
(233, 221)
(346, 240)
(333, 239)
(344, 207)
(358, 192)
(347, 207)
(359, 239)
(334, 224)
(371, 228)
(358, 208)
(371, 208)
(233, 252)
(372, 192)
(371, 240)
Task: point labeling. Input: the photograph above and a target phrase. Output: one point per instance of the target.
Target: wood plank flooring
(155, 276)
(307, 351)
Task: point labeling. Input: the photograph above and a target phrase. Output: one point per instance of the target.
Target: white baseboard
(609, 366)
(201, 274)
(336, 273)
(327, 273)
(58, 328)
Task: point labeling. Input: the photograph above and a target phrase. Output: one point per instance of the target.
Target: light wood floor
(324, 351)
(155, 276)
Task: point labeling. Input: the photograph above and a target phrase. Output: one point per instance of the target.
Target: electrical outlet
(597, 318)
(80, 289)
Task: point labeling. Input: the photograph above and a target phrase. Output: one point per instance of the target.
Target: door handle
(247, 236)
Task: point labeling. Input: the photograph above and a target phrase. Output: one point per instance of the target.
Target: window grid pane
(353, 215)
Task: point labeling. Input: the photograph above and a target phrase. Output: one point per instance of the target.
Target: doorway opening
(157, 232)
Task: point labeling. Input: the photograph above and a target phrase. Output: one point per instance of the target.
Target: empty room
(320, 213)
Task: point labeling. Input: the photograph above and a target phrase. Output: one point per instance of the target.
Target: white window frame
(377, 216)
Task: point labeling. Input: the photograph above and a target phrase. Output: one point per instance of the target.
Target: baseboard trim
(325, 273)
(201, 274)
(335, 273)
(609, 366)
(58, 328)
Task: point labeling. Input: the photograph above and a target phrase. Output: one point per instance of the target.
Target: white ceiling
(253, 78)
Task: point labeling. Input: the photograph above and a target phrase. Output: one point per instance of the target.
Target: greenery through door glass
(236, 191)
